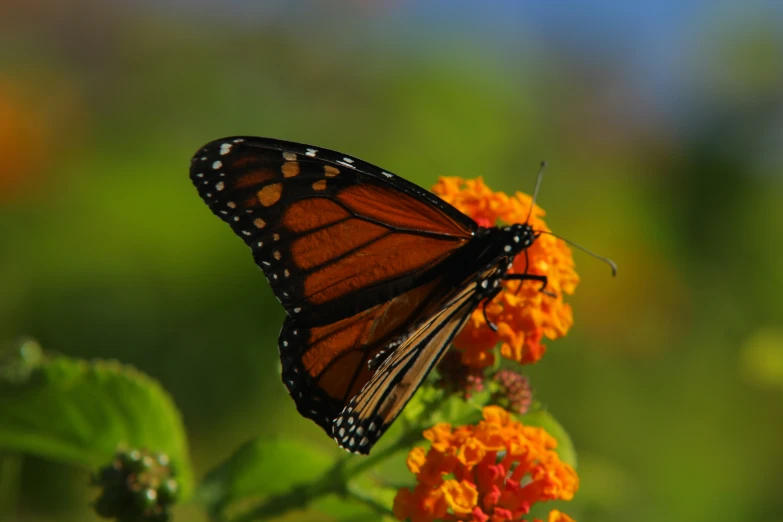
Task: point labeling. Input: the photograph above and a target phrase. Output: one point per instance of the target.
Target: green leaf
(431, 405)
(544, 419)
(81, 412)
(260, 468)
(372, 492)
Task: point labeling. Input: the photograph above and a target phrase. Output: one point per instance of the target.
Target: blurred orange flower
(23, 145)
(524, 315)
(490, 472)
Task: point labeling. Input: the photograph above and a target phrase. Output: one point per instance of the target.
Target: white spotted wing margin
(367, 416)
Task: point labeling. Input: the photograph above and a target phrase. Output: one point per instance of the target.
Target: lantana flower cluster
(497, 469)
(523, 314)
(491, 472)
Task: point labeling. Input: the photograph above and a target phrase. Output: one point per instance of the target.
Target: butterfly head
(518, 238)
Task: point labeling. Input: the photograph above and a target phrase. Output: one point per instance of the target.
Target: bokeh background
(663, 126)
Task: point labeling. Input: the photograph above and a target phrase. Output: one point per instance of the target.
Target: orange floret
(493, 471)
(524, 315)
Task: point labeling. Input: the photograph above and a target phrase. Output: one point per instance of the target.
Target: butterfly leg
(524, 276)
(492, 326)
(489, 297)
(531, 277)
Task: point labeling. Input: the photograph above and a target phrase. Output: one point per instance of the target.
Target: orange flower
(557, 516)
(524, 315)
(490, 472)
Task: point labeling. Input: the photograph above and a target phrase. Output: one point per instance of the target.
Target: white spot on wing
(220, 186)
(387, 174)
(346, 163)
(217, 165)
(225, 149)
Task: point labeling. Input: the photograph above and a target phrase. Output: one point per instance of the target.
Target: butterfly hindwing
(367, 416)
(329, 370)
(325, 366)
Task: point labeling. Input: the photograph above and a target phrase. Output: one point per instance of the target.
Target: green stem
(368, 500)
(10, 472)
(336, 480)
(405, 440)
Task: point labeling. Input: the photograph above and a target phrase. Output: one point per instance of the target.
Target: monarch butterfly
(377, 275)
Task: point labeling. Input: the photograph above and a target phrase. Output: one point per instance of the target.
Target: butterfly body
(377, 275)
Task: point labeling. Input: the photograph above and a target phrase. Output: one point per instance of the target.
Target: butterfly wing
(363, 262)
(354, 377)
(367, 416)
(334, 235)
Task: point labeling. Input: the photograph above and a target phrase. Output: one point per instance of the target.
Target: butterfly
(376, 275)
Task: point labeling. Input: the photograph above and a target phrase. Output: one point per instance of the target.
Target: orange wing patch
(346, 375)
(290, 169)
(338, 353)
(404, 213)
(388, 257)
(270, 194)
(324, 245)
(307, 214)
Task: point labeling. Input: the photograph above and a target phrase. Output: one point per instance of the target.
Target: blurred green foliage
(665, 382)
(79, 413)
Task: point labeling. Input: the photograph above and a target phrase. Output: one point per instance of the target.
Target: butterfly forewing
(326, 229)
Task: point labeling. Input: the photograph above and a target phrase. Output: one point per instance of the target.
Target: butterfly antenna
(606, 260)
(539, 177)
